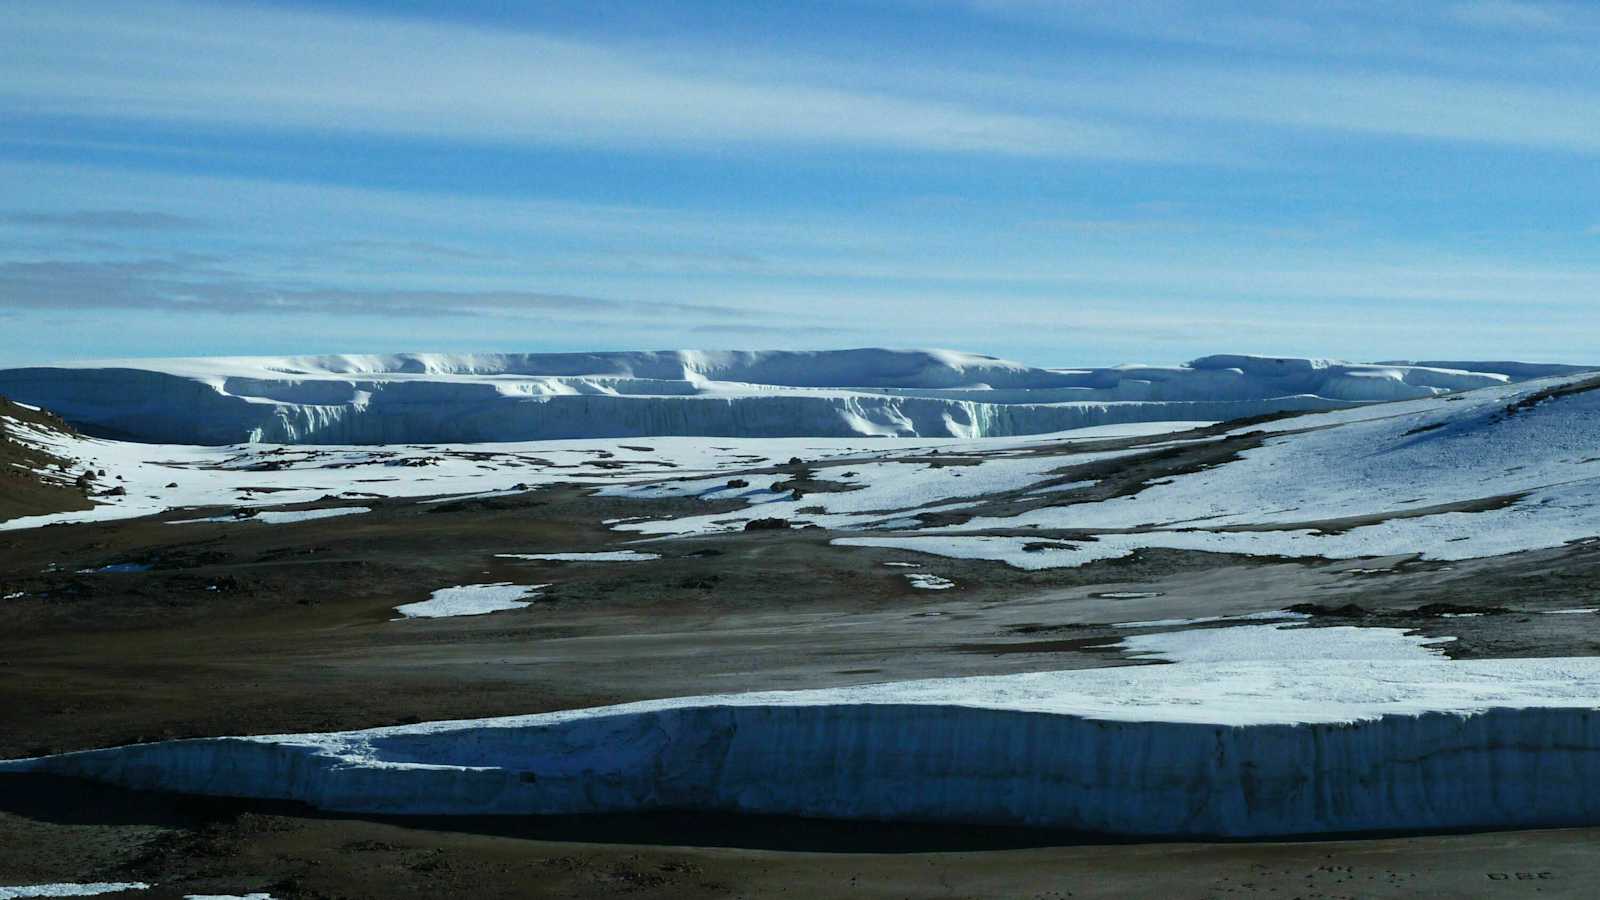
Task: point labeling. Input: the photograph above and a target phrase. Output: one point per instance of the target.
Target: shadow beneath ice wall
(72, 801)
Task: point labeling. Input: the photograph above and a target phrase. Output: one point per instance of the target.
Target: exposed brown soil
(23, 492)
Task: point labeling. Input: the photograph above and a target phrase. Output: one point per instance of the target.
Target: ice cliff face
(1254, 731)
(506, 397)
(1501, 768)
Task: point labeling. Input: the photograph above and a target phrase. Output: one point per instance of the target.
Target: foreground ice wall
(1339, 734)
(1501, 768)
(508, 397)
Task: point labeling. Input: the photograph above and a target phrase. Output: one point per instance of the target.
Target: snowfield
(157, 478)
(1479, 474)
(1498, 470)
(419, 397)
(1247, 730)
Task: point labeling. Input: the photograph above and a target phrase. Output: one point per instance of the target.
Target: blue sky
(1056, 181)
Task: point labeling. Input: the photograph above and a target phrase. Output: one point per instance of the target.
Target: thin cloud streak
(195, 284)
(246, 67)
(101, 220)
(1431, 33)
(243, 67)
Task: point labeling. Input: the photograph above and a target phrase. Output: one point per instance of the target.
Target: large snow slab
(514, 397)
(472, 600)
(1252, 730)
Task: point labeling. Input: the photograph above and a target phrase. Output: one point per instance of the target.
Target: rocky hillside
(34, 481)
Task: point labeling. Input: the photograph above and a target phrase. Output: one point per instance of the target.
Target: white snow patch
(1048, 553)
(889, 492)
(929, 582)
(1283, 643)
(70, 890)
(1270, 615)
(472, 600)
(281, 517)
(756, 488)
(596, 556)
(1063, 488)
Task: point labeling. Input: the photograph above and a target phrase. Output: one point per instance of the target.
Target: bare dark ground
(65, 831)
(249, 628)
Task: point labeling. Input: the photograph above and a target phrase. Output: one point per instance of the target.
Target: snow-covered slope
(505, 397)
(1498, 470)
(128, 479)
(35, 479)
(1472, 475)
(1251, 730)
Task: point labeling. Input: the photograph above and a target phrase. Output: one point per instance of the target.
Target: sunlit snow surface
(159, 478)
(472, 600)
(597, 556)
(280, 517)
(1269, 616)
(1402, 463)
(70, 890)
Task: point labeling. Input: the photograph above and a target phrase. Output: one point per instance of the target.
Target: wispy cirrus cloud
(772, 331)
(197, 283)
(244, 66)
(1469, 72)
(101, 220)
(413, 249)
(1514, 14)
(1437, 32)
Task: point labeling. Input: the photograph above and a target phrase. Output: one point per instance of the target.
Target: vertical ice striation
(1394, 737)
(517, 397)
